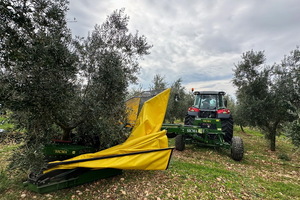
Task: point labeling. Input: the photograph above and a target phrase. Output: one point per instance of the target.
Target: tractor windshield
(209, 101)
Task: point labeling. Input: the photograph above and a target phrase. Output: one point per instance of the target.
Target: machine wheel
(227, 128)
(179, 142)
(237, 148)
(171, 135)
(189, 120)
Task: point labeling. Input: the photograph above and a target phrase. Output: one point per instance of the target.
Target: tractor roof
(209, 92)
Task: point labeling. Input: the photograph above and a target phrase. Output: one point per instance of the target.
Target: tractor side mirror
(225, 102)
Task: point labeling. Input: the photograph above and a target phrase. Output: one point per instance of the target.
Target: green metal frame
(211, 135)
(64, 180)
(60, 179)
(62, 151)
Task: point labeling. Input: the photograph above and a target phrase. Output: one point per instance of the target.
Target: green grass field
(196, 173)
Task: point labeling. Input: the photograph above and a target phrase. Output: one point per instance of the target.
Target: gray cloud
(199, 41)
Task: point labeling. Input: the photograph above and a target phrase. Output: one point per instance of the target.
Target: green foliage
(288, 76)
(5, 123)
(31, 162)
(4, 181)
(159, 83)
(36, 65)
(109, 63)
(292, 130)
(61, 87)
(179, 102)
(261, 101)
(284, 157)
(252, 83)
(230, 102)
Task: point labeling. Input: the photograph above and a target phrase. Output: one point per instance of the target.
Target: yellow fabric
(132, 106)
(146, 135)
(151, 116)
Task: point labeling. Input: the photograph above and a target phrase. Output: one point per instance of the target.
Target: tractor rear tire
(227, 128)
(237, 148)
(189, 119)
(180, 142)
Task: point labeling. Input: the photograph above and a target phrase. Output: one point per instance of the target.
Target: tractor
(208, 122)
(211, 104)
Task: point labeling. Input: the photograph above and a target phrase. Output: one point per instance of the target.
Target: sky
(198, 41)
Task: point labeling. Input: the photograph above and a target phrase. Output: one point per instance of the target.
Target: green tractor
(211, 104)
(208, 122)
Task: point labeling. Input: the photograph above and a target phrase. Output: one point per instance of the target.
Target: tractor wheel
(189, 120)
(179, 142)
(227, 128)
(237, 148)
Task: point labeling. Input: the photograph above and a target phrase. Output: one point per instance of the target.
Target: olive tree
(288, 78)
(108, 62)
(258, 94)
(159, 83)
(37, 68)
(60, 87)
(178, 103)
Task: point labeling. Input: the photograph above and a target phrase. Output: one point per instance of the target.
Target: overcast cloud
(199, 41)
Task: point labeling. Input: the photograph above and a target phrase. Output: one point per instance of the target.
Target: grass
(4, 123)
(196, 173)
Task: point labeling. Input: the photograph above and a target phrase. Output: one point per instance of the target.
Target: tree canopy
(61, 87)
(179, 102)
(261, 99)
(158, 83)
(288, 77)
(179, 99)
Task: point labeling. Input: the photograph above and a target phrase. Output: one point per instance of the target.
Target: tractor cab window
(221, 101)
(208, 101)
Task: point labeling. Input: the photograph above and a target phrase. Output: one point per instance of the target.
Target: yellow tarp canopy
(132, 106)
(145, 136)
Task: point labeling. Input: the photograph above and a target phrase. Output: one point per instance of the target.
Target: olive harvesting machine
(146, 148)
(207, 122)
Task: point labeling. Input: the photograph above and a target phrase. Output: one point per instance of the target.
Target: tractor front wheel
(180, 142)
(237, 148)
(189, 119)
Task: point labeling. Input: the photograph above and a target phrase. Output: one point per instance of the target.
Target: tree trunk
(272, 135)
(66, 134)
(272, 141)
(67, 130)
(242, 128)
